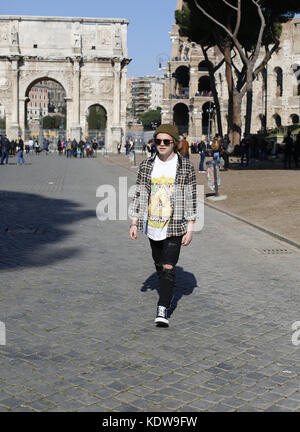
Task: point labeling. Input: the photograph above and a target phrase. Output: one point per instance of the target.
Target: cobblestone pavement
(78, 299)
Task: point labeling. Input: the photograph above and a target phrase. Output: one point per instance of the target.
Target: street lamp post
(209, 111)
(161, 58)
(41, 137)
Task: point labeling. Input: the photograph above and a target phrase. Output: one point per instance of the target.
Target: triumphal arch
(87, 56)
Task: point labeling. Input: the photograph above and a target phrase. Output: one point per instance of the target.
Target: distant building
(146, 94)
(48, 95)
(38, 98)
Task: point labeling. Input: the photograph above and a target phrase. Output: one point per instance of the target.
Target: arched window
(204, 86)
(182, 77)
(294, 118)
(46, 102)
(279, 82)
(207, 116)
(204, 66)
(181, 117)
(296, 69)
(277, 120)
(262, 119)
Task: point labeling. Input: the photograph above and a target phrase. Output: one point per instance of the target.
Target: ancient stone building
(187, 91)
(87, 56)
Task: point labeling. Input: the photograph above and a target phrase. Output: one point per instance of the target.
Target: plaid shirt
(185, 196)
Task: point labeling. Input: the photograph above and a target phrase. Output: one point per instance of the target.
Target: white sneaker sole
(161, 322)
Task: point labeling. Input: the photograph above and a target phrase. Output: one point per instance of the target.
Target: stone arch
(182, 80)
(204, 66)
(277, 120)
(279, 82)
(181, 117)
(96, 133)
(186, 53)
(296, 70)
(206, 116)
(204, 86)
(294, 118)
(46, 102)
(262, 119)
(27, 80)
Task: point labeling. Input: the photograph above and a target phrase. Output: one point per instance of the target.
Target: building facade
(86, 56)
(188, 97)
(146, 94)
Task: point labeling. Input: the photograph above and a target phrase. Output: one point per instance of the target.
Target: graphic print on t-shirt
(161, 202)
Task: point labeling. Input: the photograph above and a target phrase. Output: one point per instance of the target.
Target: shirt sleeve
(190, 205)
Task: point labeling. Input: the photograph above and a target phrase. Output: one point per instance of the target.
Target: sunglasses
(166, 142)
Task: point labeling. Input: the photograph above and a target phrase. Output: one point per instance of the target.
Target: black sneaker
(161, 319)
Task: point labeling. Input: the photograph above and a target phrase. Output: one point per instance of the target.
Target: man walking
(245, 145)
(183, 147)
(201, 151)
(297, 150)
(20, 151)
(288, 150)
(4, 149)
(164, 207)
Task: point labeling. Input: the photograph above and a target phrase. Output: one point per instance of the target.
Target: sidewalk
(264, 194)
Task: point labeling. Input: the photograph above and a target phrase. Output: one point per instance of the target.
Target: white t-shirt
(161, 200)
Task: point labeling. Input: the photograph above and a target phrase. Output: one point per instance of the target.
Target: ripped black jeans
(166, 252)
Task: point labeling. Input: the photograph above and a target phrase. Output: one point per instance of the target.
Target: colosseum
(187, 92)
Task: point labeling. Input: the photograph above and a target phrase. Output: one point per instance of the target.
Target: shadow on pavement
(30, 224)
(185, 283)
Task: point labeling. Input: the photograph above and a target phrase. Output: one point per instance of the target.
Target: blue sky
(150, 22)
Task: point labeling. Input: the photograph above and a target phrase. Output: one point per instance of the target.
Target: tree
(239, 30)
(150, 117)
(52, 122)
(96, 118)
(2, 123)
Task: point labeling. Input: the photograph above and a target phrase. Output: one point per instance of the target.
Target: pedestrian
(37, 147)
(224, 152)
(59, 146)
(119, 148)
(201, 151)
(216, 148)
(144, 148)
(164, 207)
(153, 147)
(26, 146)
(127, 145)
(183, 147)
(46, 146)
(31, 145)
(187, 139)
(4, 149)
(131, 145)
(95, 147)
(20, 151)
(69, 149)
(245, 146)
(81, 145)
(288, 150)
(297, 150)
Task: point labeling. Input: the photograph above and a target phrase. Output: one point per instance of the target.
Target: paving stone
(82, 337)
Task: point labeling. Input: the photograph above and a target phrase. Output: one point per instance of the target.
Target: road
(78, 300)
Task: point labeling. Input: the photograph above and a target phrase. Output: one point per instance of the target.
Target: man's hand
(187, 238)
(133, 232)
